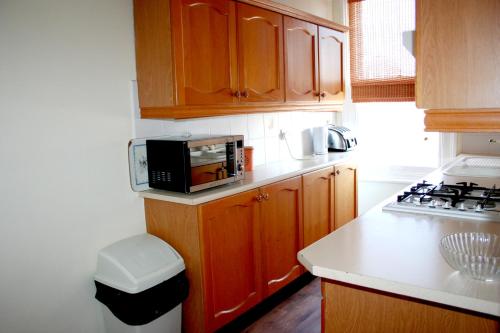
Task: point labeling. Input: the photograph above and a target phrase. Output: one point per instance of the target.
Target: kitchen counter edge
(261, 175)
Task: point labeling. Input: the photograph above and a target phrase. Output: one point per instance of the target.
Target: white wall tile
(220, 125)
(271, 125)
(285, 121)
(148, 127)
(239, 126)
(260, 131)
(272, 149)
(259, 151)
(256, 126)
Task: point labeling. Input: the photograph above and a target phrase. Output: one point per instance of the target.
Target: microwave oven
(190, 164)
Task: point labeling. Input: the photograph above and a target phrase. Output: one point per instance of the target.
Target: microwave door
(208, 164)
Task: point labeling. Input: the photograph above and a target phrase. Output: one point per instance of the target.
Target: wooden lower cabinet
(318, 193)
(349, 308)
(330, 200)
(231, 257)
(346, 188)
(241, 249)
(281, 227)
(237, 250)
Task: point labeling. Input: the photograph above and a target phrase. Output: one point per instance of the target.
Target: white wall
(65, 119)
(479, 143)
(66, 71)
(321, 8)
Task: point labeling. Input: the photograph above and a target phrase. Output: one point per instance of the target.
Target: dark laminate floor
(301, 312)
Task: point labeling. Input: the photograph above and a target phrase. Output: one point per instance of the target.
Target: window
(392, 135)
(382, 69)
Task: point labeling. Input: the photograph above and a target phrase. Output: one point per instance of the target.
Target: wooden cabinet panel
(331, 44)
(345, 194)
(348, 308)
(458, 54)
(219, 57)
(318, 192)
(301, 58)
(231, 257)
(281, 223)
(153, 53)
(204, 34)
(260, 52)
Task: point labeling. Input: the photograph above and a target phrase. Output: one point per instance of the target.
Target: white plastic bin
(141, 283)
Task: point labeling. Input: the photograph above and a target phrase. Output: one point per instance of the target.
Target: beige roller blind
(382, 69)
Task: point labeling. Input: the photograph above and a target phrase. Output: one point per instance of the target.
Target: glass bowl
(474, 254)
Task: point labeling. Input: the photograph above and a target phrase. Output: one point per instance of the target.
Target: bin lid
(137, 263)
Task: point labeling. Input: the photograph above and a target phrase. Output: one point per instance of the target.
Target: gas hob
(462, 199)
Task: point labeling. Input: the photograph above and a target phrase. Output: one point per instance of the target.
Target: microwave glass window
(208, 163)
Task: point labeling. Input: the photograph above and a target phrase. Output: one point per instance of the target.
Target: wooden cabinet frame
(329, 200)
(162, 66)
(458, 65)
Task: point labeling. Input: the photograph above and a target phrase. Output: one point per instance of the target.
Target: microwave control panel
(240, 160)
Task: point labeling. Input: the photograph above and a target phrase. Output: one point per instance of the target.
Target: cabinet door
(301, 58)
(331, 83)
(346, 208)
(458, 57)
(318, 201)
(260, 54)
(204, 35)
(231, 257)
(281, 216)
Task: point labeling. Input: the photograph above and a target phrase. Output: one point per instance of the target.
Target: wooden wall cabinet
(214, 57)
(458, 64)
(301, 53)
(330, 200)
(260, 55)
(314, 62)
(331, 44)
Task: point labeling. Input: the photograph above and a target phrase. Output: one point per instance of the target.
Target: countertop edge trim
(436, 296)
(241, 188)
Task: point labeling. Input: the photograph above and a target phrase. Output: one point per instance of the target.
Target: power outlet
(282, 134)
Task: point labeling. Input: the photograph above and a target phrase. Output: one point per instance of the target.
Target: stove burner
(487, 205)
(425, 198)
(464, 199)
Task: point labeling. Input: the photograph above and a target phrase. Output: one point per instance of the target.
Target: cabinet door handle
(237, 94)
(259, 197)
(266, 196)
(323, 94)
(244, 93)
(337, 172)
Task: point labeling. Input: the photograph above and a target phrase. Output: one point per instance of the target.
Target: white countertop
(399, 253)
(260, 176)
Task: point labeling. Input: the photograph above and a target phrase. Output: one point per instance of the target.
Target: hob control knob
(461, 206)
(478, 208)
(432, 204)
(447, 205)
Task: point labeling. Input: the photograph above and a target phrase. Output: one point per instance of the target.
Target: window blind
(382, 69)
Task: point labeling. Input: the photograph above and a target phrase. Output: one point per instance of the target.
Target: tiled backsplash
(260, 130)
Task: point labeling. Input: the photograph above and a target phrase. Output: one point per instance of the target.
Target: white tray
(475, 166)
